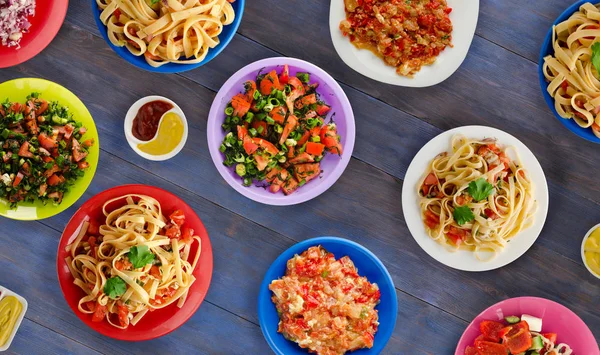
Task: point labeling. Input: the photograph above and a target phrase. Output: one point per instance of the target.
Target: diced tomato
(155, 271)
(6, 157)
(595, 127)
(240, 105)
(266, 145)
(43, 188)
(330, 138)
(261, 162)
(18, 179)
(564, 85)
(88, 143)
(250, 86)
(516, 337)
(290, 125)
(82, 165)
(117, 13)
(431, 179)
(269, 82)
(90, 306)
(177, 217)
(16, 107)
(278, 114)
(257, 124)
(431, 219)
(491, 214)
(78, 153)
(309, 100)
(123, 313)
(490, 330)
(93, 228)
(469, 350)
(187, 236)
(456, 235)
(123, 264)
(551, 336)
(284, 77)
(490, 348)
(304, 138)
(322, 109)
(99, 313)
(46, 142)
(54, 180)
(242, 132)
(250, 147)
(315, 149)
(24, 150)
(172, 231)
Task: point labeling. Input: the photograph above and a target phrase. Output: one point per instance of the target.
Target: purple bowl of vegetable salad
(281, 131)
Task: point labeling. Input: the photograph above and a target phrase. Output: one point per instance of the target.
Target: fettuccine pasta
(573, 79)
(136, 262)
(166, 31)
(475, 197)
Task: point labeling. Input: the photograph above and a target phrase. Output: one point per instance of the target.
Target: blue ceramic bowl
(140, 62)
(585, 133)
(368, 265)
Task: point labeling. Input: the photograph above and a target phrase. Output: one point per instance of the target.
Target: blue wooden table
(497, 86)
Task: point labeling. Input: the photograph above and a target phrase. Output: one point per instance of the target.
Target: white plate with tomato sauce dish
(462, 14)
(462, 259)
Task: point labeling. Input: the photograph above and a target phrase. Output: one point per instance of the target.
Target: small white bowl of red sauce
(156, 128)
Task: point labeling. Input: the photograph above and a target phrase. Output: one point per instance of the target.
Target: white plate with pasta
(475, 198)
(118, 268)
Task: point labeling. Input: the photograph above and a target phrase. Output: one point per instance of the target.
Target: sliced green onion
(247, 181)
(249, 116)
(260, 129)
(222, 148)
(278, 128)
(268, 107)
(270, 120)
(256, 95)
(315, 139)
(274, 102)
(301, 150)
(229, 110)
(253, 132)
(235, 120)
(261, 116)
(302, 182)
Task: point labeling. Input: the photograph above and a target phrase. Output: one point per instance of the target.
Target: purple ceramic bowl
(332, 165)
(556, 318)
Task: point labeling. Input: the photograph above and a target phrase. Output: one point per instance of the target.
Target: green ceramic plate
(17, 90)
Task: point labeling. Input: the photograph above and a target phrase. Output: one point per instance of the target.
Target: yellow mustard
(591, 251)
(10, 309)
(170, 133)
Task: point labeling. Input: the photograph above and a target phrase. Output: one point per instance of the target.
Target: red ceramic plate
(49, 16)
(157, 323)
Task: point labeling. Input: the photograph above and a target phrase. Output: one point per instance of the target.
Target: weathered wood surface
(497, 86)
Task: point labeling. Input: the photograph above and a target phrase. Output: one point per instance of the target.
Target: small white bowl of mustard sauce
(156, 128)
(12, 311)
(590, 251)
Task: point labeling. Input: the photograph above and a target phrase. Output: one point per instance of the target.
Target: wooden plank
(32, 338)
(504, 22)
(371, 199)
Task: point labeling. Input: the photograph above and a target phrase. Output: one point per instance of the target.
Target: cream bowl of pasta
(475, 198)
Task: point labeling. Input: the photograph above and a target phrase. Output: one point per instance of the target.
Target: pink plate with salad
(527, 326)
(281, 131)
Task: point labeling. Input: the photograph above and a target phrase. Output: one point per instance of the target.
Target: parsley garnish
(480, 189)
(140, 256)
(596, 56)
(115, 287)
(463, 214)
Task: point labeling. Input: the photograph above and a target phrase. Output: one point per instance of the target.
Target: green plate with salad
(48, 149)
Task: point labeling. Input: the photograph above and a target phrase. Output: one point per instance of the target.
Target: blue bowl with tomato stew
(368, 265)
(585, 133)
(224, 38)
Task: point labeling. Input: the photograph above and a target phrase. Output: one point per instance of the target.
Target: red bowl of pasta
(134, 262)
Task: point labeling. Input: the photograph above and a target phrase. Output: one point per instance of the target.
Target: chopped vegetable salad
(276, 131)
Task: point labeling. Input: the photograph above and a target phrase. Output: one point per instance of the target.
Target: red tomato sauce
(406, 34)
(145, 123)
(324, 305)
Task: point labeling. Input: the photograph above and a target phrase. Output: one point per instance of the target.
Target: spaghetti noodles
(166, 31)
(476, 197)
(136, 262)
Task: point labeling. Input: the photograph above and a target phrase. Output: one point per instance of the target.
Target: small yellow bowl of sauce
(156, 128)
(12, 311)
(590, 251)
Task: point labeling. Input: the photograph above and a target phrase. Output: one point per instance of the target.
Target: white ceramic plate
(583, 253)
(463, 259)
(6, 292)
(133, 142)
(464, 20)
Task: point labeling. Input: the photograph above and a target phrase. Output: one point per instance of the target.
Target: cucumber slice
(537, 343)
(512, 319)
